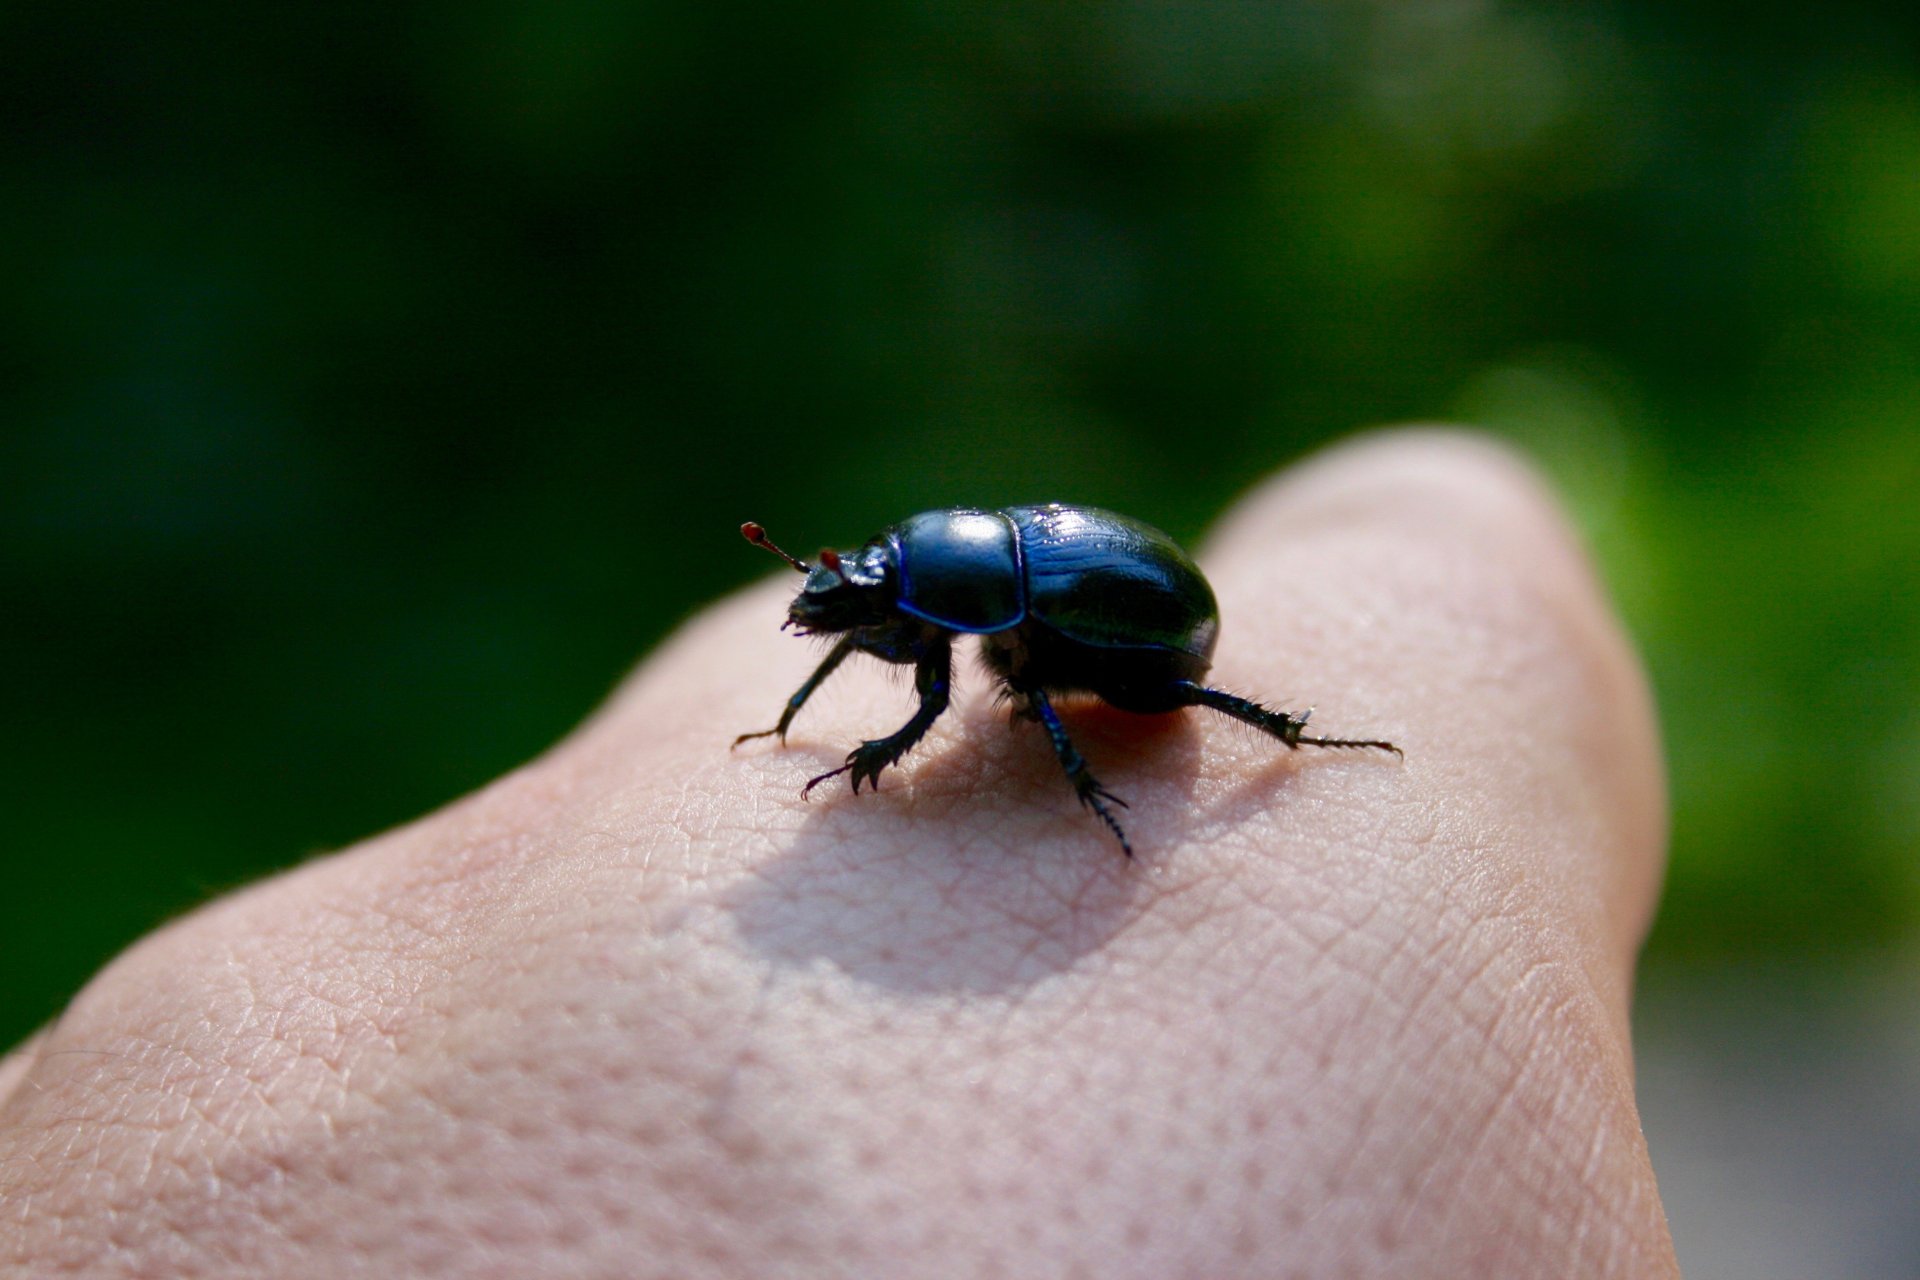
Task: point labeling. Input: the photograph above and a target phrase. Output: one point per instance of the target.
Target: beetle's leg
(933, 679)
(1092, 794)
(836, 656)
(1280, 724)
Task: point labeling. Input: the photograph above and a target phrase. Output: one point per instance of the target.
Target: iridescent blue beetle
(1065, 599)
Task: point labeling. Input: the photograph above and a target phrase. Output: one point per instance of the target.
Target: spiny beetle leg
(933, 678)
(1093, 796)
(835, 656)
(1288, 728)
(1085, 785)
(864, 762)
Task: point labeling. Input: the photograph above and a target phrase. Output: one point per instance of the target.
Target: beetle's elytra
(1065, 599)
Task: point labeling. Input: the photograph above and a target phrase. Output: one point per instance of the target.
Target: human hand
(638, 1010)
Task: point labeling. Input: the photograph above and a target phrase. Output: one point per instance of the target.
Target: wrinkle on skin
(639, 1009)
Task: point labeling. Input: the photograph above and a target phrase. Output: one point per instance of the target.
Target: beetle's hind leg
(1283, 725)
(836, 656)
(1091, 793)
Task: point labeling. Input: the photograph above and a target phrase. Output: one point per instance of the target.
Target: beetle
(1064, 598)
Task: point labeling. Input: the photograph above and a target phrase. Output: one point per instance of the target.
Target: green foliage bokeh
(376, 382)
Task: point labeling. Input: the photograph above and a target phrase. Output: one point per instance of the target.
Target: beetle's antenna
(758, 537)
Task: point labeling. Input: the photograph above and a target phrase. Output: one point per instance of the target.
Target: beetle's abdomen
(1104, 579)
(960, 569)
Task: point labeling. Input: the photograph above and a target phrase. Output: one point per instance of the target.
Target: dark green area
(376, 382)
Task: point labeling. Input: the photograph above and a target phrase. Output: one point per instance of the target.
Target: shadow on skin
(1264, 784)
(974, 869)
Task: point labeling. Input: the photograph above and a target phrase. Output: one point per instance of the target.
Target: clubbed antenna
(758, 537)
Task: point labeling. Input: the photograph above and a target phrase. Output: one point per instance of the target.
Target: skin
(638, 1010)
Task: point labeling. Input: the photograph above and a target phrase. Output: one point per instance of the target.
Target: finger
(1477, 909)
(1424, 586)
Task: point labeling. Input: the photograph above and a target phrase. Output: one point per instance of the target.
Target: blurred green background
(378, 381)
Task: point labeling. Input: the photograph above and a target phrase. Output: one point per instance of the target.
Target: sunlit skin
(637, 1009)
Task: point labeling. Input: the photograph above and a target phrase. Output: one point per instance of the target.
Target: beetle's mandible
(1065, 599)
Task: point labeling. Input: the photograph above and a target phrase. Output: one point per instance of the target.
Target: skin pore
(637, 1009)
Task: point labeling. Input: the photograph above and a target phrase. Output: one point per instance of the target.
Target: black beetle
(1064, 599)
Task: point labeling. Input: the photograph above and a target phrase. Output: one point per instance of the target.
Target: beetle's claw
(1374, 744)
(814, 782)
(763, 733)
(865, 762)
(1095, 797)
(1092, 793)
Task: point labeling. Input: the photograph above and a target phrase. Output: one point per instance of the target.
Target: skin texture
(637, 1010)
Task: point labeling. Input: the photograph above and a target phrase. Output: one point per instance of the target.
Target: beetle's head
(843, 590)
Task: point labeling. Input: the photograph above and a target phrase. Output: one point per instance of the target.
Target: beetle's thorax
(960, 569)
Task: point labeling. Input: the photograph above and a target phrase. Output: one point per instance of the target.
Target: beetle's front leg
(933, 680)
(834, 658)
